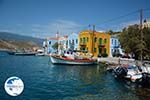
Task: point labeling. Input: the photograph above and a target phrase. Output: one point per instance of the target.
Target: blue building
(47, 45)
(72, 42)
(115, 47)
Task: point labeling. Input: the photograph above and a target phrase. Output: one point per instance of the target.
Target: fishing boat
(56, 59)
(22, 53)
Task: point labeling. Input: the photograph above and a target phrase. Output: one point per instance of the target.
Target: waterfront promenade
(116, 60)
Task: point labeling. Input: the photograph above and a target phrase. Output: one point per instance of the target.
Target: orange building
(94, 42)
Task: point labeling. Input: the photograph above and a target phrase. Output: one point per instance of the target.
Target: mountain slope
(12, 36)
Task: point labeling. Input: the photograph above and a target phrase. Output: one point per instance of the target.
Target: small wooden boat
(56, 59)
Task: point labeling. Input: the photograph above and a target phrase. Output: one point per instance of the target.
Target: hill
(11, 36)
(13, 42)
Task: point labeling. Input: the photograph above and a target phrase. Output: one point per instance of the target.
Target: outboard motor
(146, 80)
(139, 68)
(121, 72)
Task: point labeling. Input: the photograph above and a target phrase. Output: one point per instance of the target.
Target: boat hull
(57, 60)
(22, 53)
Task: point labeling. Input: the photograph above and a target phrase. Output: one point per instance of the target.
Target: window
(49, 42)
(76, 41)
(100, 50)
(87, 39)
(94, 49)
(115, 42)
(69, 41)
(105, 50)
(112, 41)
(100, 40)
(81, 40)
(95, 39)
(72, 41)
(84, 40)
(105, 41)
(83, 49)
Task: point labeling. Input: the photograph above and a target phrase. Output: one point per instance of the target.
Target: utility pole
(93, 39)
(141, 26)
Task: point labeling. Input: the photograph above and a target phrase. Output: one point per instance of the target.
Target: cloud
(5, 30)
(64, 27)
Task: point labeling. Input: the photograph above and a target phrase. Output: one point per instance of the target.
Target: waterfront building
(47, 45)
(115, 47)
(146, 24)
(96, 43)
(72, 42)
(62, 43)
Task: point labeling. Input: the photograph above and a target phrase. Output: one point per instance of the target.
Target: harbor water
(45, 81)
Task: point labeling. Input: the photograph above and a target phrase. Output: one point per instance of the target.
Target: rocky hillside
(13, 42)
(13, 45)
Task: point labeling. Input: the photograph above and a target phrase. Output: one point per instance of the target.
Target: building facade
(115, 47)
(93, 42)
(72, 42)
(62, 43)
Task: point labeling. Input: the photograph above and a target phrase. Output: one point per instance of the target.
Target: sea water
(45, 81)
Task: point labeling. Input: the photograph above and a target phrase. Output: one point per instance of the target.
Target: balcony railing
(101, 44)
(82, 44)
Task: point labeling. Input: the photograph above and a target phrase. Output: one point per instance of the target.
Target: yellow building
(94, 42)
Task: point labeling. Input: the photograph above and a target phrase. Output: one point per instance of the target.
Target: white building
(72, 42)
(115, 47)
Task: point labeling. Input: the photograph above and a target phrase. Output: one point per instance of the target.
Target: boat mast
(141, 25)
(57, 37)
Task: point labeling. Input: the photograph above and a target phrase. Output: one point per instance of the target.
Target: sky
(44, 18)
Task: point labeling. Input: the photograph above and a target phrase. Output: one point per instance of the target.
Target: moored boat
(145, 81)
(130, 73)
(40, 52)
(22, 53)
(56, 59)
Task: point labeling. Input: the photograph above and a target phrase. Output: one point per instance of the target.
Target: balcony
(101, 45)
(82, 44)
